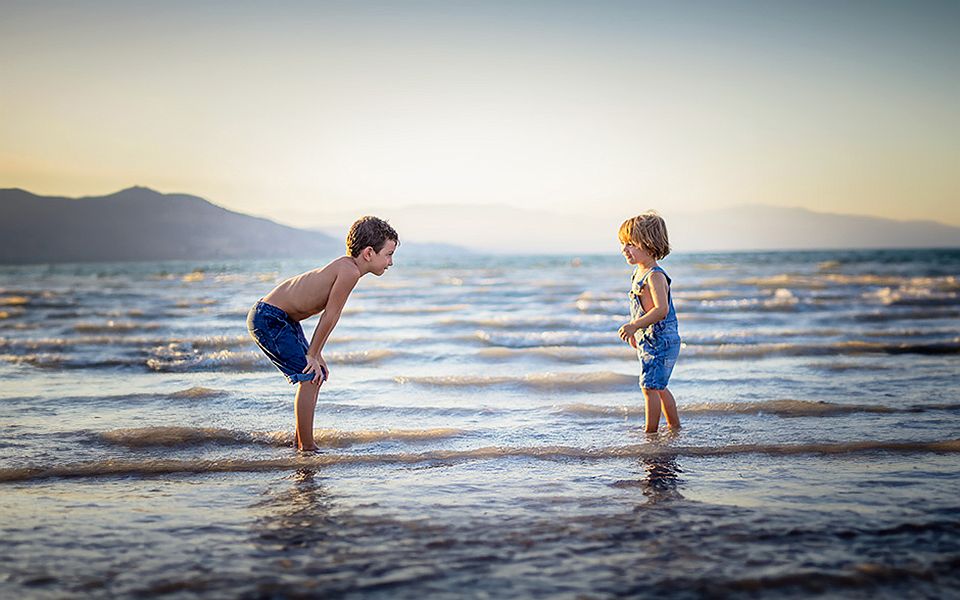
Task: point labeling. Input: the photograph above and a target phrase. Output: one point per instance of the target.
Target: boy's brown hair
(647, 231)
(369, 231)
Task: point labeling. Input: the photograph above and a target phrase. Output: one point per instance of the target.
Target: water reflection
(658, 480)
(297, 517)
(310, 543)
(662, 479)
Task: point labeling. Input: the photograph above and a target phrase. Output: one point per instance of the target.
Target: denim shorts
(281, 339)
(658, 355)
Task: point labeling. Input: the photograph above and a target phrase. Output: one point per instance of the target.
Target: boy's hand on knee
(317, 366)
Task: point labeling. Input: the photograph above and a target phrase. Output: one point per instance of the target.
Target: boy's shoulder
(343, 265)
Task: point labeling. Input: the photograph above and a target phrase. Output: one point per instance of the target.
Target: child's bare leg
(669, 405)
(652, 403)
(304, 406)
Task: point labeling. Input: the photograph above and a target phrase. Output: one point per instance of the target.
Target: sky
(311, 112)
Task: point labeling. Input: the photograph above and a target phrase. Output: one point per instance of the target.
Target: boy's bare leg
(652, 403)
(304, 406)
(669, 405)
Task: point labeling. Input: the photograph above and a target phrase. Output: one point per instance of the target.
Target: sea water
(482, 432)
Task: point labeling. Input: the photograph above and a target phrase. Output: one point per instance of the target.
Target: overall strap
(659, 268)
(643, 280)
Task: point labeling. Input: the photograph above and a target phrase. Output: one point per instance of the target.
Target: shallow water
(481, 433)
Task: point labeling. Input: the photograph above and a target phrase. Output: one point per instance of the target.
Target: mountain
(756, 227)
(142, 224)
(506, 229)
(489, 228)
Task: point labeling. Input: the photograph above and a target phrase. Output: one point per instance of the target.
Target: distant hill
(506, 229)
(756, 227)
(142, 224)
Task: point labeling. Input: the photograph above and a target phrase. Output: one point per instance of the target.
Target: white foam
(154, 467)
(594, 381)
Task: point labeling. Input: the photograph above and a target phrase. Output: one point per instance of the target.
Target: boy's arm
(658, 292)
(339, 292)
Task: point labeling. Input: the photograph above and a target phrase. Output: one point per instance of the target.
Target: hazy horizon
(488, 229)
(301, 113)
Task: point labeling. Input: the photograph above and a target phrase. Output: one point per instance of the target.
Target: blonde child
(652, 329)
(274, 321)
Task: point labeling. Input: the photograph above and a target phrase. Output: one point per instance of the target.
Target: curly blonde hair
(647, 231)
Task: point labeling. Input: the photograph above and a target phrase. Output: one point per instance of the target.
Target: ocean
(482, 433)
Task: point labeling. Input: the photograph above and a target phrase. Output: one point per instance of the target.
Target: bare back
(307, 294)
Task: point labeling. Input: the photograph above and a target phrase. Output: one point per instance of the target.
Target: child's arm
(658, 312)
(339, 292)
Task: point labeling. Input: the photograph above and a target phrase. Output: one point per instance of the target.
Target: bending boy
(274, 321)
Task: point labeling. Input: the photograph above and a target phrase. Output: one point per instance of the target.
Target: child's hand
(628, 334)
(317, 366)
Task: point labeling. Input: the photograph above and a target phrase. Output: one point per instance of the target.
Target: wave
(782, 300)
(851, 347)
(338, 438)
(569, 354)
(406, 310)
(68, 343)
(603, 307)
(932, 332)
(783, 408)
(841, 367)
(171, 359)
(714, 266)
(933, 348)
(885, 316)
(362, 357)
(146, 437)
(756, 335)
(589, 382)
(174, 360)
(822, 280)
(51, 360)
(701, 295)
(215, 341)
(856, 577)
(913, 296)
(14, 300)
(528, 323)
(114, 327)
(198, 392)
(547, 338)
(580, 409)
(154, 467)
(416, 310)
(727, 351)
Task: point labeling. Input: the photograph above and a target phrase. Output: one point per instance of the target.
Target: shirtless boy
(274, 321)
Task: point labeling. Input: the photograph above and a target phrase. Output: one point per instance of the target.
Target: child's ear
(368, 253)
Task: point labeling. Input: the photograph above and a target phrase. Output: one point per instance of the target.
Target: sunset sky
(306, 111)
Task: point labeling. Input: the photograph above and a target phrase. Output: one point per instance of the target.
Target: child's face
(635, 255)
(383, 260)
